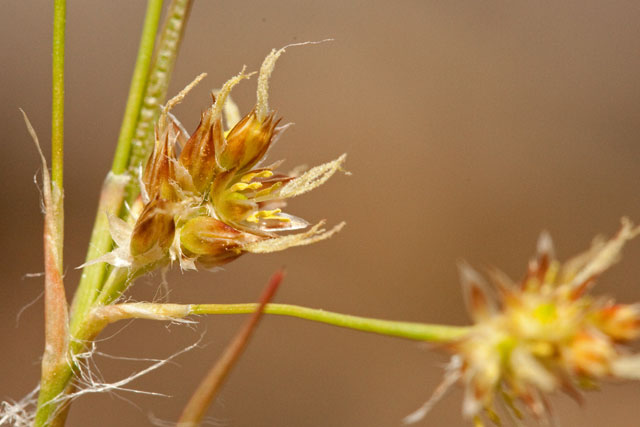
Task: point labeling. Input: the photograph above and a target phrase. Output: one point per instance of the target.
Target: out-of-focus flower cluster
(204, 199)
(546, 333)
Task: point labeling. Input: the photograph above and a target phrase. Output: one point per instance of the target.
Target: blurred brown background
(470, 127)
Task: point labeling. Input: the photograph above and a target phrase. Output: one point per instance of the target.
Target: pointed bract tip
(545, 245)
(477, 294)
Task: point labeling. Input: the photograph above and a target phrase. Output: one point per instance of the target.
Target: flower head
(543, 334)
(205, 199)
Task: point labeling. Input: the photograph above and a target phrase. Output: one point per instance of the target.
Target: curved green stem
(409, 330)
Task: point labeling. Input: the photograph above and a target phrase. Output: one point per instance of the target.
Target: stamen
(252, 175)
(315, 234)
(241, 186)
(267, 191)
(272, 214)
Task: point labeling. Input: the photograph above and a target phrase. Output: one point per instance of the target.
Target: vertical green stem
(57, 123)
(92, 277)
(148, 88)
(57, 107)
(56, 335)
(138, 86)
(112, 194)
(156, 92)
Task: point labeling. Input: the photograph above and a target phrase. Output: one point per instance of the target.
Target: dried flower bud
(247, 142)
(210, 241)
(589, 354)
(153, 229)
(159, 171)
(199, 153)
(619, 321)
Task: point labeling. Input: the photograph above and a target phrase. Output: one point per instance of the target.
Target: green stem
(58, 379)
(93, 275)
(49, 413)
(57, 124)
(57, 106)
(150, 84)
(112, 195)
(56, 337)
(116, 282)
(138, 86)
(408, 330)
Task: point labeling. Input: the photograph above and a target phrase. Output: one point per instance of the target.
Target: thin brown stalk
(205, 393)
(56, 316)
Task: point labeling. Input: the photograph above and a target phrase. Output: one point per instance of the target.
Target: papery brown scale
(530, 282)
(532, 400)
(154, 227)
(221, 181)
(590, 355)
(621, 322)
(570, 389)
(542, 265)
(158, 172)
(479, 303)
(505, 286)
(238, 209)
(275, 179)
(580, 290)
(210, 261)
(247, 142)
(199, 153)
(212, 241)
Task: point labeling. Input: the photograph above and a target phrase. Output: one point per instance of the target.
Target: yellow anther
(272, 214)
(241, 186)
(262, 174)
(268, 190)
